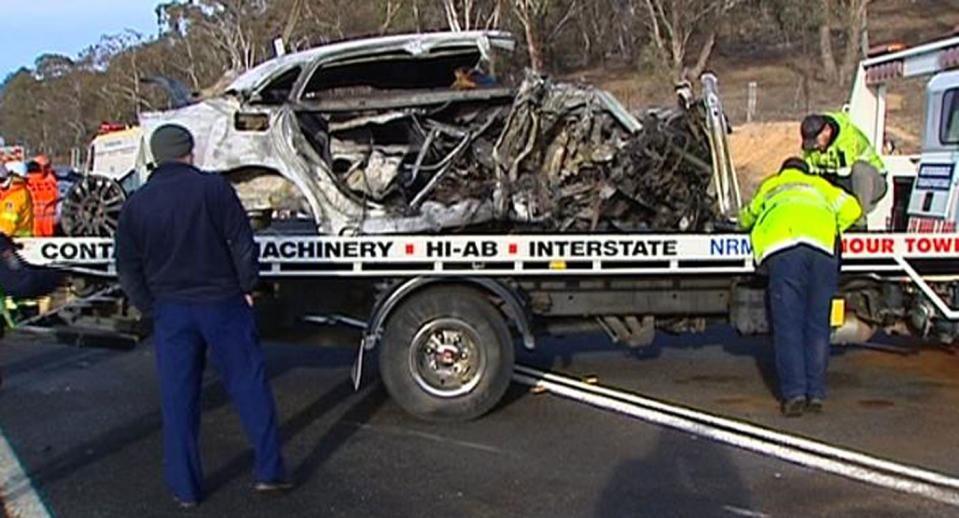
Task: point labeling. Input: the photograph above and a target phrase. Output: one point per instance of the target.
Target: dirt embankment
(759, 149)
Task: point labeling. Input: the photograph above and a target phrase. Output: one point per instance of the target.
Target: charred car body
(430, 132)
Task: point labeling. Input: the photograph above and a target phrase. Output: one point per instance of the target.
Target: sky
(36, 27)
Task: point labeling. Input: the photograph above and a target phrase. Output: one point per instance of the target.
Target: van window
(949, 132)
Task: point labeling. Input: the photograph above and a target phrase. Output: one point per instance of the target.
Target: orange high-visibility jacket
(43, 192)
(16, 210)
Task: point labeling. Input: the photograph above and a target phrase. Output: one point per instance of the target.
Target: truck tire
(447, 354)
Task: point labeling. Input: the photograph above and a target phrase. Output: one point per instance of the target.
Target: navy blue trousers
(183, 332)
(802, 282)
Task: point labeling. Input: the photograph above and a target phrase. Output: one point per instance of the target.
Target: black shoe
(793, 407)
(272, 488)
(814, 405)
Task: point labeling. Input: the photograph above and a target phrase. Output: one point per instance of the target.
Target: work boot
(185, 504)
(814, 405)
(272, 488)
(793, 407)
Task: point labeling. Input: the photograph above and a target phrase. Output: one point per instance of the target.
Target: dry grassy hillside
(758, 150)
(759, 147)
(779, 98)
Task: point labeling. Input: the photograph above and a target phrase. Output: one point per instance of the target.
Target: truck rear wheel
(447, 354)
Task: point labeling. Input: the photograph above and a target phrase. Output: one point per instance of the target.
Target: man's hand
(249, 299)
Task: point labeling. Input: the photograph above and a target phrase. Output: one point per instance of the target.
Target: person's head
(816, 132)
(172, 143)
(42, 160)
(794, 162)
(33, 167)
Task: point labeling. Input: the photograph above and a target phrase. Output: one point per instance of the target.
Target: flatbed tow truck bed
(446, 308)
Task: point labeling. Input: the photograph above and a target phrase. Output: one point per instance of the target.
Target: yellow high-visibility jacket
(849, 146)
(16, 210)
(794, 208)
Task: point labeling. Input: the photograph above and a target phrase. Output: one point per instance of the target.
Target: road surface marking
(19, 498)
(799, 450)
(739, 511)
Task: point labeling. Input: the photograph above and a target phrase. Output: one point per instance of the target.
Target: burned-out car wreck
(430, 132)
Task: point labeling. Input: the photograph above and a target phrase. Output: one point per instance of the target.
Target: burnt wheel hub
(446, 359)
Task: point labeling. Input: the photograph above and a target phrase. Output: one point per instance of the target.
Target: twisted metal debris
(566, 157)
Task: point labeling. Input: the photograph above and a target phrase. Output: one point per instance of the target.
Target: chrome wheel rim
(446, 359)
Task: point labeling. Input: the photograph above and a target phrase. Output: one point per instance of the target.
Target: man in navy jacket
(186, 256)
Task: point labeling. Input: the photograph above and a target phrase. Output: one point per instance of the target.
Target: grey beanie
(4, 172)
(171, 142)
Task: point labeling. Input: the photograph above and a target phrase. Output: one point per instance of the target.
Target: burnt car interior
(390, 126)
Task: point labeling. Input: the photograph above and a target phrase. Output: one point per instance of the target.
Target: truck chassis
(444, 310)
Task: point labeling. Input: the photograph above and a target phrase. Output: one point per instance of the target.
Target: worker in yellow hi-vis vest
(794, 221)
(839, 151)
(16, 206)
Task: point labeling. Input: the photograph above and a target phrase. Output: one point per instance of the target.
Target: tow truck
(444, 311)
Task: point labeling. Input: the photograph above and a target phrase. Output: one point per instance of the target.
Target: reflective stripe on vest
(797, 188)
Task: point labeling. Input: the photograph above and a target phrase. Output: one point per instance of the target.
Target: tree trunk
(654, 26)
(825, 44)
(855, 20)
(530, 16)
(677, 44)
(392, 10)
(291, 20)
(864, 34)
(535, 48)
(452, 16)
(704, 54)
(416, 16)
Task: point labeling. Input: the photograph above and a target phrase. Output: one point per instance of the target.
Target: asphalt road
(85, 424)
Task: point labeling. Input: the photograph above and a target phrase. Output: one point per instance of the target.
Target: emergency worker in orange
(16, 206)
(42, 184)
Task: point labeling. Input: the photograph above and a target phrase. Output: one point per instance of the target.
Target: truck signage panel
(935, 177)
(598, 250)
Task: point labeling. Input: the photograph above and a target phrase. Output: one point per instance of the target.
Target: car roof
(413, 43)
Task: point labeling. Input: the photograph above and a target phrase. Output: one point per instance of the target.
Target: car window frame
(314, 67)
(274, 77)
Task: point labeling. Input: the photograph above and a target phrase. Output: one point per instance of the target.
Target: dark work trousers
(183, 332)
(802, 282)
